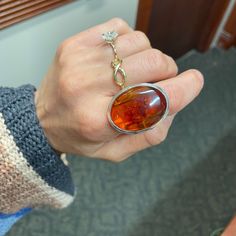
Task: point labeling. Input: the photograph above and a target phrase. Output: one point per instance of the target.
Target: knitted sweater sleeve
(31, 172)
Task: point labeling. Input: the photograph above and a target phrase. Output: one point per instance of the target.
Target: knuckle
(62, 51)
(197, 75)
(119, 22)
(141, 38)
(173, 68)
(64, 46)
(155, 61)
(63, 60)
(175, 100)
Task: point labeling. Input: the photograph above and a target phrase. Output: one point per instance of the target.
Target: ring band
(116, 64)
(135, 108)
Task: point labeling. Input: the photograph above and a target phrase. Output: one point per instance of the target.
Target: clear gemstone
(109, 36)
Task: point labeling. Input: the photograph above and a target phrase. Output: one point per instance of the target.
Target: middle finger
(146, 66)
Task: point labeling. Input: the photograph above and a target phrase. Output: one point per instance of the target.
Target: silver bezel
(130, 87)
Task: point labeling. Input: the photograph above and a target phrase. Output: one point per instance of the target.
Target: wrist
(44, 121)
(34, 167)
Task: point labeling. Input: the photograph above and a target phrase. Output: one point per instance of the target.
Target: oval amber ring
(138, 108)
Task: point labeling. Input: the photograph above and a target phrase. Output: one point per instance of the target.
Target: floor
(186, 186)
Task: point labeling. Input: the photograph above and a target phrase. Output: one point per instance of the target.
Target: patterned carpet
(186, 186)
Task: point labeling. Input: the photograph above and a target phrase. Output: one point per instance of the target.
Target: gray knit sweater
(31, 172)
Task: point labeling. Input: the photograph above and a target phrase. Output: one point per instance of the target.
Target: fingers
(149, 66)
(182, 89)
(140, 61)
(124, 146)
(129, 44)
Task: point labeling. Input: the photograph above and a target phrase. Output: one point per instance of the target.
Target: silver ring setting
(159, 117)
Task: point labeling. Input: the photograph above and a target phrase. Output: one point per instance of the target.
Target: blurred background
(185, 186)
(176, 27)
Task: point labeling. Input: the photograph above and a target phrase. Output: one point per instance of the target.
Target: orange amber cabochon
(138, 108)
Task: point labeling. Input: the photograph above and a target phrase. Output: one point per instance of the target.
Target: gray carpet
(186, 186)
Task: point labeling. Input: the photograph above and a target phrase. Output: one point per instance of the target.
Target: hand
(73, 98)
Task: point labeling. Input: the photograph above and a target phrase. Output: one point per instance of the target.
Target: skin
(73, 98)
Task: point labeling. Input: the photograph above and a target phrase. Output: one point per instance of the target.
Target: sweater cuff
(31, 172)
